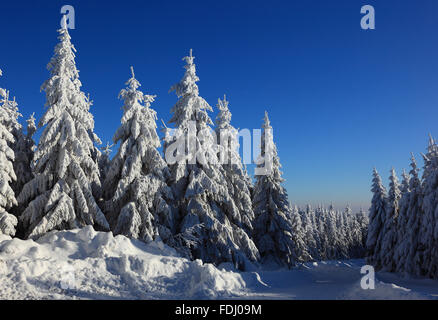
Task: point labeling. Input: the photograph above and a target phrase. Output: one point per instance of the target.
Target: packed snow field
(85, 264)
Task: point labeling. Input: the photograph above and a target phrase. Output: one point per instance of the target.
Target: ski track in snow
(84, 264)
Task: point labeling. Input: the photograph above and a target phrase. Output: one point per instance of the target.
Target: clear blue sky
(341, 99)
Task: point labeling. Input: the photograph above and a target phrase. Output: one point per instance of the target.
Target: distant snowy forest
(209, 211)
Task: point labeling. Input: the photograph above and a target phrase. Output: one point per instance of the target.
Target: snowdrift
(86, 264)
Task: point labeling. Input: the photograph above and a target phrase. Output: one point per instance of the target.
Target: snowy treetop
(223, 118)
(190, 106)
(139, 118)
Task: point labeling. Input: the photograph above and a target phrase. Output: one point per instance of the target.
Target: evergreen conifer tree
(66, 180)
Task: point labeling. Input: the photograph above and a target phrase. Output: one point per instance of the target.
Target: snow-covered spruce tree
(351, 225)
(364, 221)
(412, 262)
(234, 172)
(66, 175)
(315, 251)
(20, 144)
(377, 215)
(341, 245)
(401, 250)
(104, 160)
(298, 236)
(332, 234)
(347, 226)
(359, 225)
(389, 231)
(341, 241)
(136, 192)
(357, 235)
(403, 204)
(310, 232)
(428, 250)
(8, 222)
(24, 151)
(198, 182)
(272, 228)
(248, 180)
(321, 229)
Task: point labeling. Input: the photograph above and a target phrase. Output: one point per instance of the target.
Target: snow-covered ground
(84, 264)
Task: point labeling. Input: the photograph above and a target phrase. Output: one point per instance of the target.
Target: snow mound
(85, 264)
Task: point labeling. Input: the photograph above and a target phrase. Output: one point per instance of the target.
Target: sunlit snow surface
(84, 264)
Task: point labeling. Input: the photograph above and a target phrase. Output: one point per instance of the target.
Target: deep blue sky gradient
(341, 99)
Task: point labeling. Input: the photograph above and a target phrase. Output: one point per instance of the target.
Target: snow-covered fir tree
(321, 230)
(310, 232)
(66, 175)
(377, 215)
(136, 192)
(333, 234)
(198, 181)
(315, 249)
(428, 250)
(408, 239)
(234, 172)
(364, 221)
(8, 222)
(341, 245)
(359, 233)
(389, 231)
(24, 151)
(403, 204)
(105, 160)
(410, 247)
(20, 144)
(346, 226)
(272, 227)
(298, 236)
(401, 250)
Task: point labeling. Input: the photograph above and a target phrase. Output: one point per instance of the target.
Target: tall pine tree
(135, 186)
(377, 215)
(66, 175)
(389, 230)
(272, 228)
(401, 249)
(298, 236)
(234, 172)
(428, 251)
(199, 184)
(8, 222)
(412, 253)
